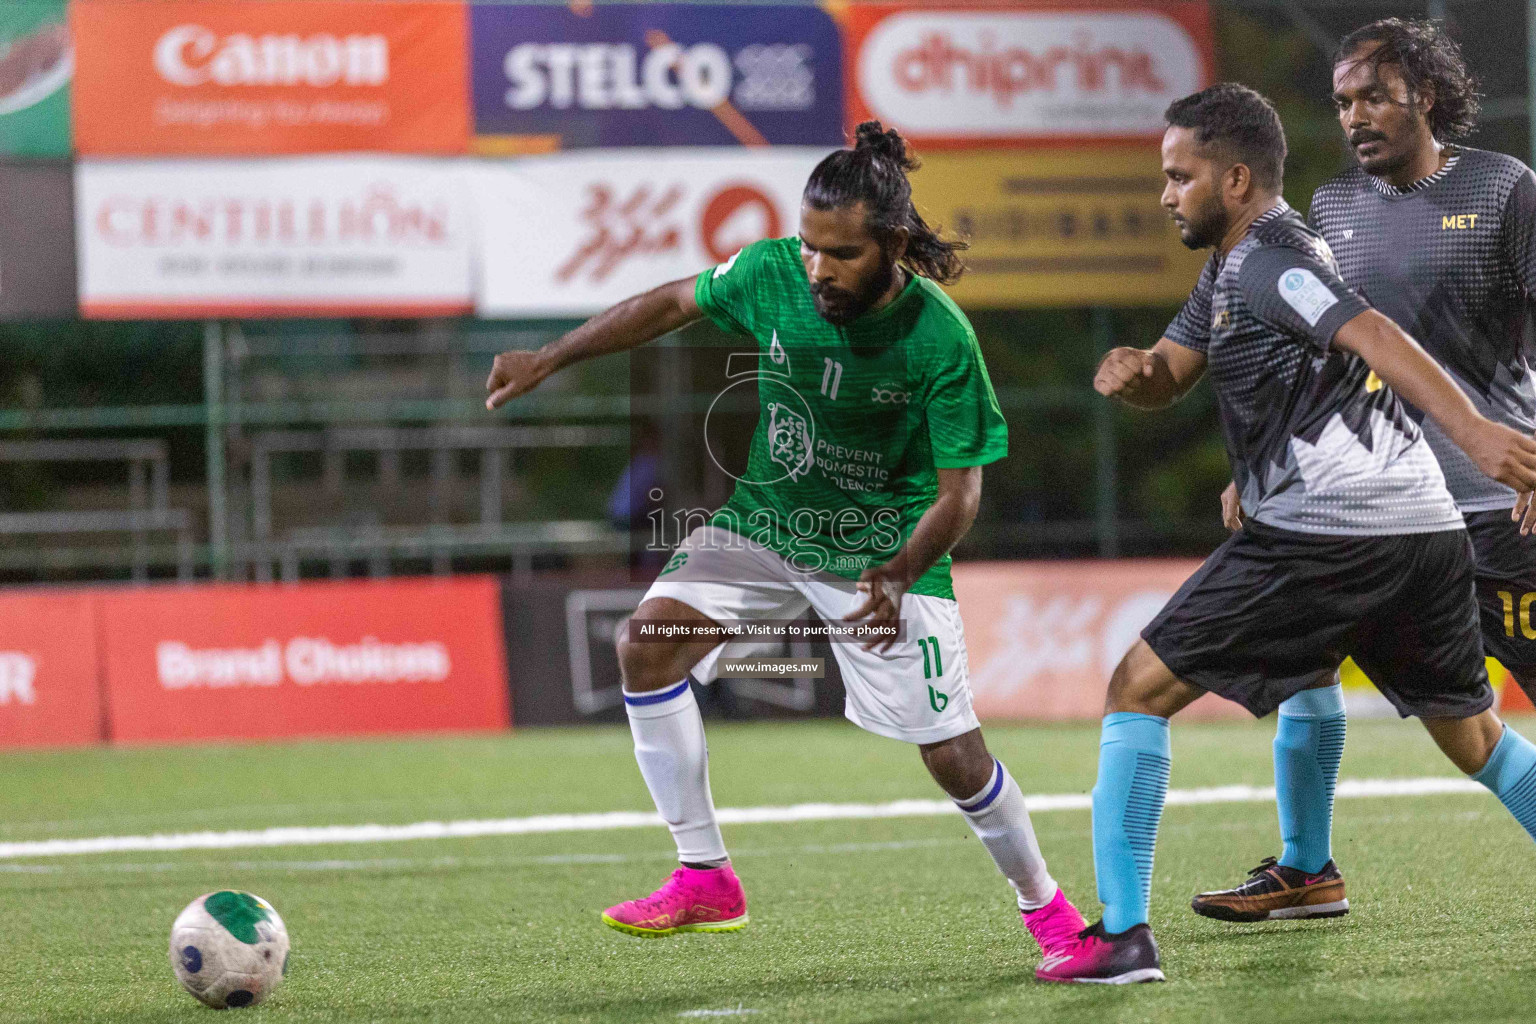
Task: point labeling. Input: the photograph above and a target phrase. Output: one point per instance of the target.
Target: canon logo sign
(996, 75)
(191, 55)
(17, 673)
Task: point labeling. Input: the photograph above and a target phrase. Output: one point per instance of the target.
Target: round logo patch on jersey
(1308, 296)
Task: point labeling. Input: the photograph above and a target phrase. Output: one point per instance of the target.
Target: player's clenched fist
(513, 374)
(1124, 373)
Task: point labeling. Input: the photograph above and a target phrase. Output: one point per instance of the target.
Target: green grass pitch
(900, 920)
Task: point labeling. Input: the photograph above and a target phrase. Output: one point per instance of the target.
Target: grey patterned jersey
(1316, 444)
(1452, 259)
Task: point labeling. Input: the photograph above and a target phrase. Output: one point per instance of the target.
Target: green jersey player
(876, 416)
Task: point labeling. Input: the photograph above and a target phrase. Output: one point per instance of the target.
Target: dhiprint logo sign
(570, 234)
(546, 77)
(1007, 75)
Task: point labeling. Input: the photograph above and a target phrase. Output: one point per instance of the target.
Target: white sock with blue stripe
(673, 758)
(1000, 820)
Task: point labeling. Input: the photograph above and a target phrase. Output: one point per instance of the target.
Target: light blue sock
(1134, 757)
(1308, 746)
(1511, 775)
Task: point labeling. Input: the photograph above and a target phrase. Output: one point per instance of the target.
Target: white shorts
(917, 690)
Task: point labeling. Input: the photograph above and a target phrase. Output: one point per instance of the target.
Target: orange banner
(1043, 637)
(310, 659)
(50, 691)
(242, 77)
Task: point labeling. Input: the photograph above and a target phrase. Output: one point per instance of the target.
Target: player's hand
(514, 373)
(1506, 455)
(1124, 373)
(1231, 508)
(883, 587)
(1524, 511)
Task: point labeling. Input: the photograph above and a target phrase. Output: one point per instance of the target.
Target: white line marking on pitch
(730, 1011)
(453, 863)
(326, 835)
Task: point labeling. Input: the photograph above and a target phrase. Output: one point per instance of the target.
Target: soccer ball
(229, 949)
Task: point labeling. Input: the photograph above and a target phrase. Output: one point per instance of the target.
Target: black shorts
(1505, 567)
(1273, 612)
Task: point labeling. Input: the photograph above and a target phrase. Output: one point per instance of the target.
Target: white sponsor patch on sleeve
(725, 268)
(1304, 293)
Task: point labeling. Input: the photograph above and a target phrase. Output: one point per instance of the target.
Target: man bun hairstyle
(1239, 124)
(1430, 62)
(874, 172)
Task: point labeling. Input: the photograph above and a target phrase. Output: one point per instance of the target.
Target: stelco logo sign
(613, 77)
(1020, 74)
(190, 55)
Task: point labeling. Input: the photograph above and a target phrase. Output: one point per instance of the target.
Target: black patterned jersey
(1317, 445)
(1452, 259)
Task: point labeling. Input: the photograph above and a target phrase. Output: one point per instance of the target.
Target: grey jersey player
(1441, 238)
(1355, 547)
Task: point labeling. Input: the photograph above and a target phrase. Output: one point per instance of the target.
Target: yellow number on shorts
(1526, 629)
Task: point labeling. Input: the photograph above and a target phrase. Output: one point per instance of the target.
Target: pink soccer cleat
(1055, 927)
(692, 900)
(1103, 958)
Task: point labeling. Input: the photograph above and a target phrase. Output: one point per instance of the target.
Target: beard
(1206, 227)
(840, 307)
(1385, 159)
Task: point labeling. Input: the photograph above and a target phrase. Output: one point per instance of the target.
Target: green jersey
(855, 420)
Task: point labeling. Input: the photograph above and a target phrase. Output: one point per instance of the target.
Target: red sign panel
(1000, 75)
(1043, 638)
(50, 693)
(311, 659)
(241, 77)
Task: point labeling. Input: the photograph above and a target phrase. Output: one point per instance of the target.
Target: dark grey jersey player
(1442, 239)
(1354, 545)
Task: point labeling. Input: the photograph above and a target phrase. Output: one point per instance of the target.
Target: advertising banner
(36, 64)
(1044, 637)
(311, 659)
(246, 77)
(37, 240)
(316, 236)
(50, 690)
(548, 76)
(1058, 227)
(968, 76)
(572, 233)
